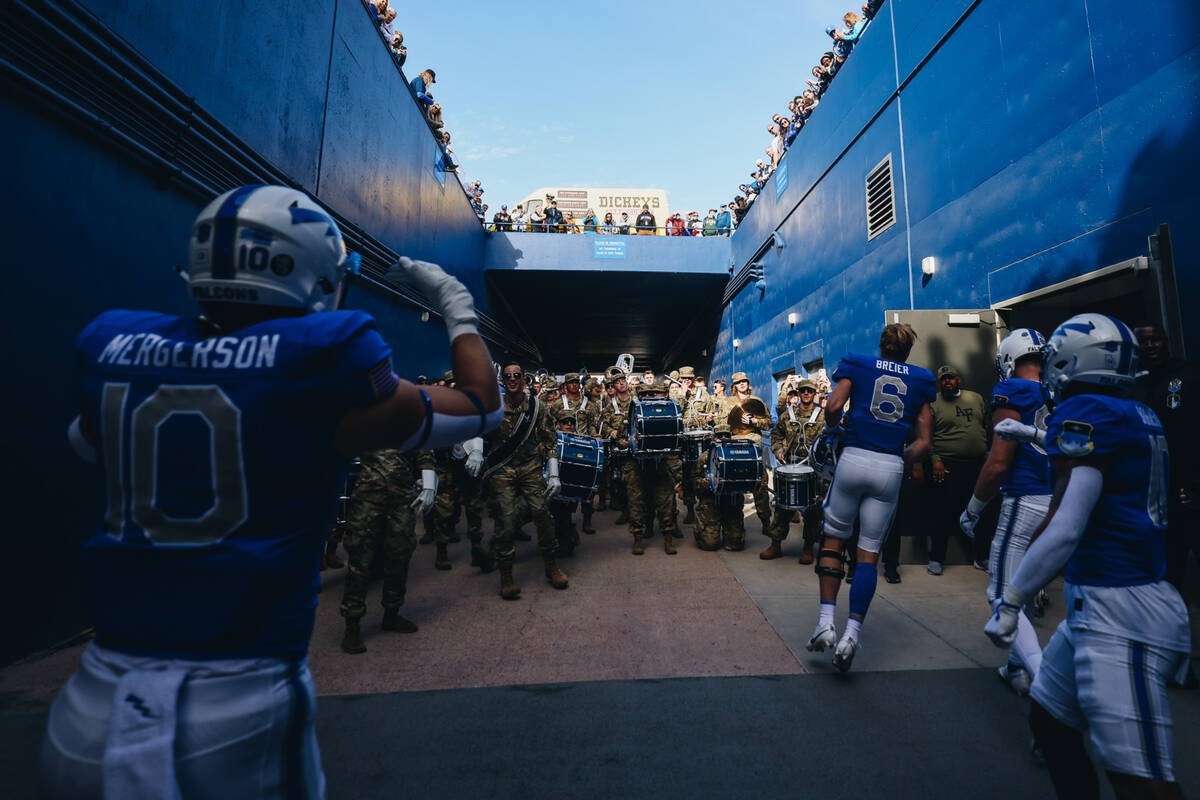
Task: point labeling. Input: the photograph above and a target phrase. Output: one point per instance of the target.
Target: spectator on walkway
(646, 223)
(739, 209)
(537, 220)
(724, 220)
(590, 222)
(609, 227)
(709, 226)
(502, 220)
(554, 218)
(623, 228)
(570, 224)
(855, 25)
(960, 446)
(519, 219)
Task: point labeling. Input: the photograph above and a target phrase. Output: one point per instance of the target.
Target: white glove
(1002, 627)
(445, 292)
(970, 516)
(553, 484)
(1015, 431)
(428, 492)
(474, 448)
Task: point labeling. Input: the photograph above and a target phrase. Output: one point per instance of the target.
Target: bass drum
(694, 444)
(655, 427)
(734, 467)
(580, 465)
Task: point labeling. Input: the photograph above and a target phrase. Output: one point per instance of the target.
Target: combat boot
(427, 538)
(557, 578)
(392, 621)
(508, 587)
(806, 557)
(639, 544)
(690, 518)
(442, 559)
(352, 642)
(603, 504)
(587, 524)
(622, 518)
(774, 551)
(483, 559)
(331, 559)
(669, 543)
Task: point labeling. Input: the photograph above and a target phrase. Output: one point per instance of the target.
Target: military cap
(738, 376)
(448, 376)
(652, 388)
(721, 426)
(550, 385)
(946, 371)
(687, 372)
(675, 374)
(806, 384)
(564, 414)
(612, 373)
(570, 376)
(591, 384)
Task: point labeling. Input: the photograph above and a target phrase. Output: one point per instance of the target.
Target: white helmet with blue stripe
(1090, 348)
(267, 245)
(1018, 344)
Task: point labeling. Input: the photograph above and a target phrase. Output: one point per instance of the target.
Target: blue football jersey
(1030, 472)
(1124, 543)
(885, 398)
(221, 474)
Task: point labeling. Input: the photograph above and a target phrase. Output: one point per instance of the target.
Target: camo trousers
(387, 525)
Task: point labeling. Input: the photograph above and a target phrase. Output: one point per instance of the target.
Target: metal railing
(598, 230)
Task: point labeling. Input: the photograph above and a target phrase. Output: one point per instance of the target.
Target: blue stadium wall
(1031, 143)
(310, 88)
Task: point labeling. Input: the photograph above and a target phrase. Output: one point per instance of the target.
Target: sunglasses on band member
(510, 375)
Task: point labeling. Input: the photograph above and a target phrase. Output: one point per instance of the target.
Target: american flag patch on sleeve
(383, 379)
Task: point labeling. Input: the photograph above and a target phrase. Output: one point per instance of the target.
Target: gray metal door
(966, 339)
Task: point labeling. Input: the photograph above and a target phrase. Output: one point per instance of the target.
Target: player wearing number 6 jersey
(888, 398)
(1126, 630)
(223, 441)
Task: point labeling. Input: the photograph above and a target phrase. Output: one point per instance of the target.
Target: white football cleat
(844, 654)
(1017, 679)
(824, 636)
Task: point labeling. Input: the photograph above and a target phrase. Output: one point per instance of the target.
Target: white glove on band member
(428, 492)
(1013, 430)
(474, 448)
(445, 292)
(553, 484)
(970, 517)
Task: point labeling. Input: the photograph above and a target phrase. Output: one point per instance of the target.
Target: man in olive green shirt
(960, 446)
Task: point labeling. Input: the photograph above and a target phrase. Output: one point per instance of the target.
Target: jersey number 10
(136, 442)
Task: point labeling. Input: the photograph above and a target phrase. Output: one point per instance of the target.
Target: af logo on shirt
(1076, 438)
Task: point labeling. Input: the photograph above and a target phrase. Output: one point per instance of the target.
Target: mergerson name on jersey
(225, 352)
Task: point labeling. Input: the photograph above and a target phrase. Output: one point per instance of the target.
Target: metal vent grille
(881, 198)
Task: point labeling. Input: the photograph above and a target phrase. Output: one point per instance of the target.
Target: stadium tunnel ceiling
(579, 319)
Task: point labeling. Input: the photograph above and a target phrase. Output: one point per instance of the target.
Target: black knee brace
(833, 572)
(1066, 757)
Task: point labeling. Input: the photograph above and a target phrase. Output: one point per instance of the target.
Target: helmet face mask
(1090, 350)
(268, 246)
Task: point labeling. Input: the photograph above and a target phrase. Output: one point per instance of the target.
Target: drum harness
(504, 453)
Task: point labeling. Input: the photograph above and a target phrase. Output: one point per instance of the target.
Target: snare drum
(734, 467)
(694, 443)
(655, 427)
(580, 465)
(795, 487)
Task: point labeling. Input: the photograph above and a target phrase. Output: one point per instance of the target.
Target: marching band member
(749, 419)
(800, 425)
(718, 516)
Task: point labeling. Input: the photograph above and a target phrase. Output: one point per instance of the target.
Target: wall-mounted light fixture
(793, 318)
(737, 343)
(424, 316)
(928, 265)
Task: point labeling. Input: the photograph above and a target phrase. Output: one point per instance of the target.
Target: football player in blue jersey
(888, 398)
(1126, 633)
(223, 440)
(1020, 471)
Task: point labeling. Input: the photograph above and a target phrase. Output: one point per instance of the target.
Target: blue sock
(866, 576)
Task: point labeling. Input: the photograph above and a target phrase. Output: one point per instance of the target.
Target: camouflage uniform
(614, 427)
(717, 514)
(697, 407)
(457, 491)
(762, 498)
(650, 480)
(519, 483)
(381, 517)
(790, 441)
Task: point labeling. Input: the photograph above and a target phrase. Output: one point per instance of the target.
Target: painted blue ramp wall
(315, 92)
(1029, 146)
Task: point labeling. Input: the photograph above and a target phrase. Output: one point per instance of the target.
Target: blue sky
(647, 94)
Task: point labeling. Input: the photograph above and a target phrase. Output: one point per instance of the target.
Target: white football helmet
(1090, 348)
(266, 245)
(1018, 344)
